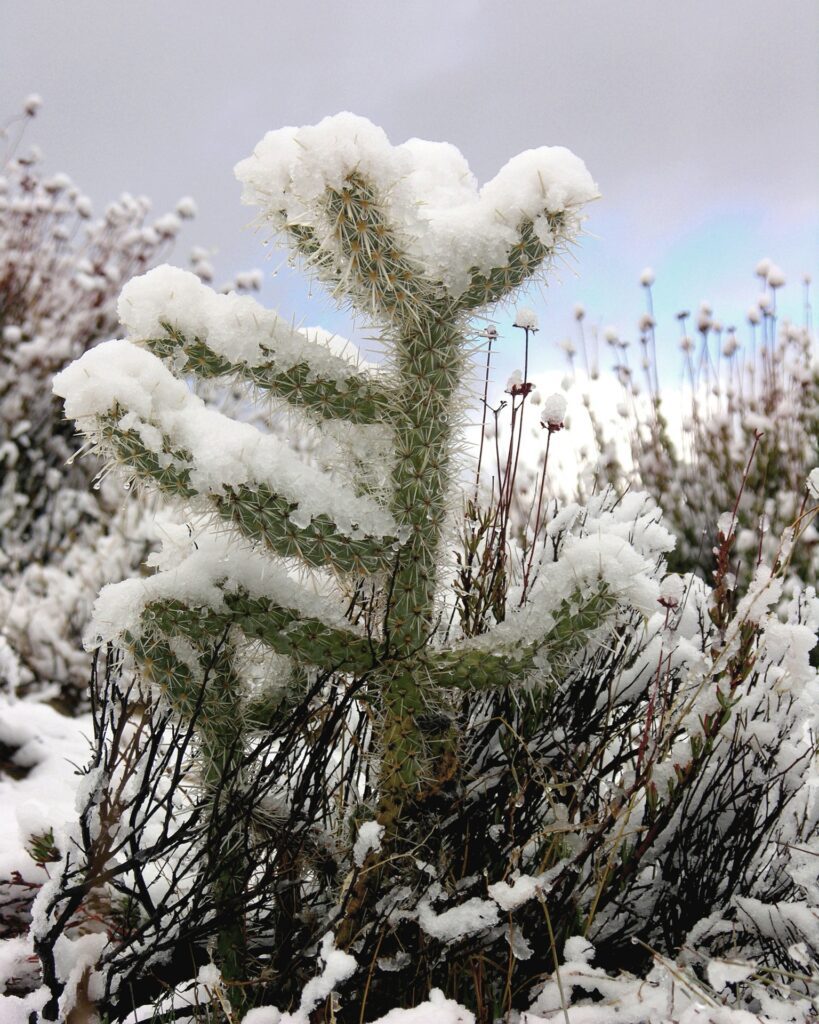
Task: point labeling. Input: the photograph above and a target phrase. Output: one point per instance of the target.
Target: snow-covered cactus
(404, 236)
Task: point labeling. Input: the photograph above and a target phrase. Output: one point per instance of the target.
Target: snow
(441, 218)
(338, 967)
(578, 949)
(215, 565)
(524, 888)
(473, 915)
(234, 326)
(32, 103)
(672, 590)
(553, 412)
(722, 973)
(48, 744)
(436, 1010)
(216, 451)
(210, 975)
(186, 207)
(368, 841)
(526, 318)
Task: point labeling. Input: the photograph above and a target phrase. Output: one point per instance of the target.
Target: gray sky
(698, 118)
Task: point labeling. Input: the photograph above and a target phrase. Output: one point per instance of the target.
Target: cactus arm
(283, 630)
(495, 660)
(210, 697)
(378, 272)
(526, 257)
(177, 317)
(355, 398)
(258, 512)
(164, 435)
(221, 585)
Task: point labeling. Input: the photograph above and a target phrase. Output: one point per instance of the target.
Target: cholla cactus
(402, 235)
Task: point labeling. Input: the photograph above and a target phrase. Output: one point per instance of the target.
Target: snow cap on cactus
(445, 223)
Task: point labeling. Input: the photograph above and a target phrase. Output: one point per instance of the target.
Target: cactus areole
(404, 236)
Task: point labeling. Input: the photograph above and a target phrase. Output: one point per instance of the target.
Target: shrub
(61, 271)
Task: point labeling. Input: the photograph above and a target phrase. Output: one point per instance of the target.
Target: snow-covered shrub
(61, 270)
(741, 429)
(365, 794)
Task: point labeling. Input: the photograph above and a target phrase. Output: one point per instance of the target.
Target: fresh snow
(444, 221)
(217, 451)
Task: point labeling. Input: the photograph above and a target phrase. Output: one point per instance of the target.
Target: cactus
(403, 237)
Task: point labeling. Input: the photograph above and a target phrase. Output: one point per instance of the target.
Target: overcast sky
(698, 118)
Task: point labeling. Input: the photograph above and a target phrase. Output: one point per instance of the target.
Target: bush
(61, 271)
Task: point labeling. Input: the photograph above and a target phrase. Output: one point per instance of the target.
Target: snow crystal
(444, 222)
(368, 841)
